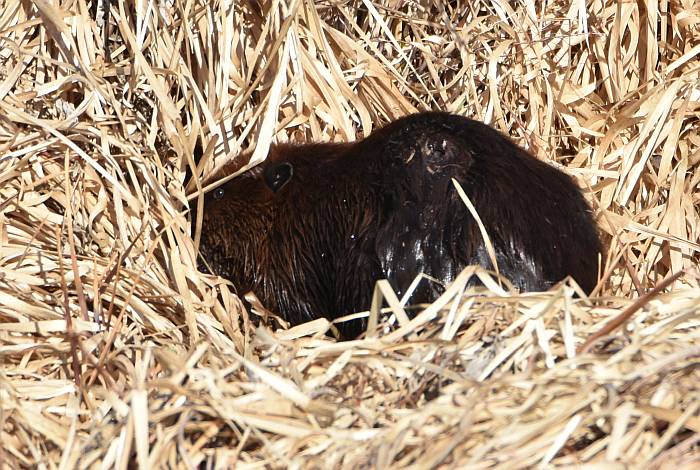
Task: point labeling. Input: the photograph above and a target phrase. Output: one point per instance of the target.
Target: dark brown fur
(313, 227)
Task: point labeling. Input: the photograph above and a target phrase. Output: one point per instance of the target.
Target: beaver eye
(278, 176)
(218, 193)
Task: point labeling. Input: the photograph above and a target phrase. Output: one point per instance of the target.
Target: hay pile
(116, 351)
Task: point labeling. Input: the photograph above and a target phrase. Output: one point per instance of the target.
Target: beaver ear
(276, 177)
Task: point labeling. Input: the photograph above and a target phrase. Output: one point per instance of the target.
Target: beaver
(312, 228)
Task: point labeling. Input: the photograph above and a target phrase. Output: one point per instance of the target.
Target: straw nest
(116, 351)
